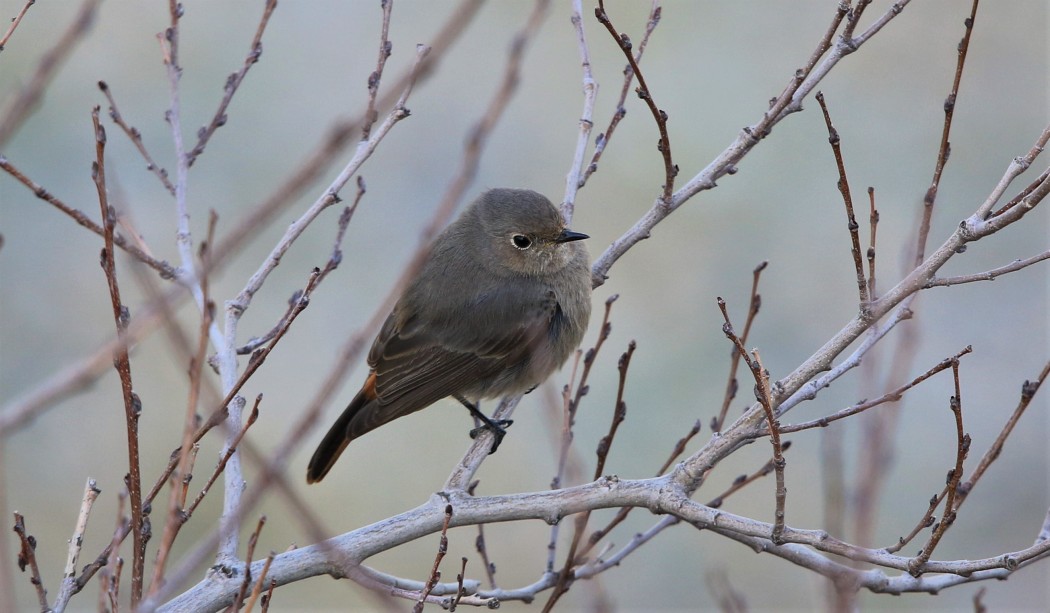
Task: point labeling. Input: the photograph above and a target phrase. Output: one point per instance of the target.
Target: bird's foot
(498, 429)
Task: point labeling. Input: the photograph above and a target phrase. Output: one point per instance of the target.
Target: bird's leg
(497, 426)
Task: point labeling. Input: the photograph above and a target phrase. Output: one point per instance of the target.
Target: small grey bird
(501, 302)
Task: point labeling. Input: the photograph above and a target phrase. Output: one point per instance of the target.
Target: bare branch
(14, 23)
(847, 199)
(385, 48)
(69, 584)
(892, 396)
(136, 139)
(789, 101)
(1028, 392)
(167, 271)
(132, 404)
(945, 149)
(916, 567)
(232, 83)
(24, 103)
(988, 275)
(643, 91)
(754, 304)
(27, 558)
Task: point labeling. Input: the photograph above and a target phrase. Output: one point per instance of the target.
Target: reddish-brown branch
(873, 223)
(257, 590)
(945, 149)
(915, 566)
(926, 521)
(435, 572)
(132, 404)
(1028, 391)
(847, 199)
(248, 556)
(166, 270)
(732, 385)
(136, 139)
(603, 138)
(176, 515)
(764, 395)
(744, 480)
(224, 459)
(27, 558)
(664, 144)
(891, 396)
(619, 412)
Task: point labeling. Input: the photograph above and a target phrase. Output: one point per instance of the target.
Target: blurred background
(712, 66)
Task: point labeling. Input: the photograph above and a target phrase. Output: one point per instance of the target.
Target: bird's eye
(521, 241)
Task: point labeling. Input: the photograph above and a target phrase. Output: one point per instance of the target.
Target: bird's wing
(417, 364)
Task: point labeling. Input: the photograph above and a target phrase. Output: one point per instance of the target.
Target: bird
(501, 301)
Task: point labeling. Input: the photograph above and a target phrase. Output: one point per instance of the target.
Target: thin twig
(176, 516)
(853, 16)
(1016, 167)
(603, 138)
(765, 399)
(573, 181)
(385, 47)
(333, 262)
(479, 544)
(68, 588)
(619, 411)
(660, 116)
(802, 82)
(915, 567)
(1028, 391)
(112, 564)
(221, 465)
(571, 402)
(892, 396)
(249, 554)
(435, 573)
(873, 223)
(847, 199)
(14, 23)
(234, 81)
(27, 558)
(257, 589)
(25, 101)
(732, 385)
(166, 270)
(988, 275)
(136, 139)
(622, 514)
(1024, 193)
(132, 404)
(575, 555)
(930, 198)
(743, 481)
(460, 592)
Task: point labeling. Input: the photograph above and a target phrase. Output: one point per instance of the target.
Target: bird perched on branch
(500, 303)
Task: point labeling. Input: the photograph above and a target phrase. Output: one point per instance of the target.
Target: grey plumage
(500, 303)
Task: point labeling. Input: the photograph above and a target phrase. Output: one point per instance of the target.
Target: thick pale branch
(659, 495)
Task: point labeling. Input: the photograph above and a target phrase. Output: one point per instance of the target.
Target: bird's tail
(339, 435)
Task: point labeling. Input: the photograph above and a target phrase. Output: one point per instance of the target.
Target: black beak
(567, 236)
